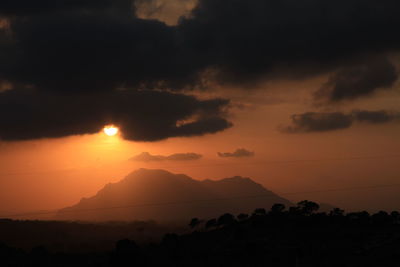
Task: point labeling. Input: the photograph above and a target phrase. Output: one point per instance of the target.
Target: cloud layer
(324, 122)
(147, 157)
(359, 80)
(87, 62)
(107, 46)
(239, 153)
(141, 116)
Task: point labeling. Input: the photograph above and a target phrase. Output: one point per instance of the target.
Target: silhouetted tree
(242, 217)
(226, 219)
(211, 223)
(362, 217)
(307, 207)
(194, 223)
(126, 246)
(382, 217)
(395, 217)
(277, 208)
(294, 211)
(260, 212)
(336, 212)
(293, 239)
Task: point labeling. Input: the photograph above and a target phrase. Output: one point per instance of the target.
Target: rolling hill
(163, 196)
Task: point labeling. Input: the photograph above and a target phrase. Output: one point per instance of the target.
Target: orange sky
(50, 174)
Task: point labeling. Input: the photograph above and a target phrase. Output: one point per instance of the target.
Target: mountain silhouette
(163, 196)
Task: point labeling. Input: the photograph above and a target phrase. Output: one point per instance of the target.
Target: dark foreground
(298, 237)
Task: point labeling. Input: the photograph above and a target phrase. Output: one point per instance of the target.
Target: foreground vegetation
(300, 236)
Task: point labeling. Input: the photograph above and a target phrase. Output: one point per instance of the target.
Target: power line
(293, 161)
(221, 199)
(38, 172)
(204, 200)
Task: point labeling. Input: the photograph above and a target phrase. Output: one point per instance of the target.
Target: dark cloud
(141, 116)
(94, 45)
(319, 122)
(184, 156)
(239, 153)
(80, 58)
(147, 157)
(244, 40)
(360, 80)
(324, 122)
(41, 7)
(375, 117)
(93, 52)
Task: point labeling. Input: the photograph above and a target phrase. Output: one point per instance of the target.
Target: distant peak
(143, 171)
(155, 174)
(237, 179)
(147, 186)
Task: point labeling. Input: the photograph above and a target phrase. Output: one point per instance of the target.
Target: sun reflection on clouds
(111, 130)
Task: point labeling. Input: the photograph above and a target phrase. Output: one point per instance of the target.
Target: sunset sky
(302, 96)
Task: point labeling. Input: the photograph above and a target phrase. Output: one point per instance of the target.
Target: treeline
(297, 236)
(304, 211)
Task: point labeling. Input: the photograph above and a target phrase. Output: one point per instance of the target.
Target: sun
(111, 130)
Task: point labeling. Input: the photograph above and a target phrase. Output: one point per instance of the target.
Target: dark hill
(163, 196)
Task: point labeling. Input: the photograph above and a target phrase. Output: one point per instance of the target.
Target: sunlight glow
(111, 130)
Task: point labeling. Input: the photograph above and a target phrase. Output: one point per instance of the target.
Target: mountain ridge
(163, 196)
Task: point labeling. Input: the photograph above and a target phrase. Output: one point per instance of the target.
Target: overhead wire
(270, 195)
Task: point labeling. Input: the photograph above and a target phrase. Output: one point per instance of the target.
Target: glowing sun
(111, 130)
